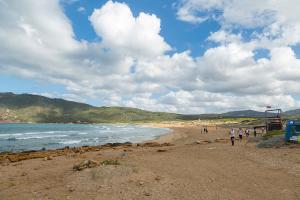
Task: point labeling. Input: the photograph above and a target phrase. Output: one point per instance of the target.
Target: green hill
(35, 108)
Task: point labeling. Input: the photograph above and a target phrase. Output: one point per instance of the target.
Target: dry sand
(197, 166)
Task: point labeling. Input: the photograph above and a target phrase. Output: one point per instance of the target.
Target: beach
(183, 164)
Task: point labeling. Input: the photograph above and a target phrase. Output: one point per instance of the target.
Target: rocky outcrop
(85, 164)
(50, 154)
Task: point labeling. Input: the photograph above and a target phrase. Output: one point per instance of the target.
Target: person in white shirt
(232, 136)
(247, 132)
(240, 132)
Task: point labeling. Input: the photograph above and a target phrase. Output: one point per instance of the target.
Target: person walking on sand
(254, 133)
(232, 136)
(240, 132)
(247, 132)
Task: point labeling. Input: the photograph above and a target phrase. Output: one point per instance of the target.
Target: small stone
(141, 183)
(70, 189)
(47, 158)
(12, 184)
(16, 164)
(82, 151)
(211, 180)
(161, 150)
(147, 194)
(23, 174)
(85, 164)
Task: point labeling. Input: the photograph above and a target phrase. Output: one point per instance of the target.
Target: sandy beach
(184, 164)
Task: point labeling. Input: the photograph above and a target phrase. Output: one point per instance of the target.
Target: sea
(23, 137)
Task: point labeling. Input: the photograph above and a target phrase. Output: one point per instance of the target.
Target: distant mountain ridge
(36, 108)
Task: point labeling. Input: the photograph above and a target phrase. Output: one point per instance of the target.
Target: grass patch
(271, 134)
(272, 139)
(110, 162)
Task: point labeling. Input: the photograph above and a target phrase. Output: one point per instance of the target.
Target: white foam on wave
(11, 135)
(31, 133)
(41, 137)
(82, 133)
(70, 142)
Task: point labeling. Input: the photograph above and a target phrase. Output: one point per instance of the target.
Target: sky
(181, 56)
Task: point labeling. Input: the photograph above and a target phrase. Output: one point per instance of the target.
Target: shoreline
(161, 140)
(172, 135)
(194, 166)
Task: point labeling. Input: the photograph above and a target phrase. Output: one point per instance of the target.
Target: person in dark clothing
(255, 134)
(232, 136)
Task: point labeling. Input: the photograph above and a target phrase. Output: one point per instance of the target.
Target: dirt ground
(198, 166)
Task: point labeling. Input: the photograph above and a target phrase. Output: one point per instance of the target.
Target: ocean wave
(41, 137)
(11, 139)
(83, 133)
(56, 137)
(11, 135)
(70, 142)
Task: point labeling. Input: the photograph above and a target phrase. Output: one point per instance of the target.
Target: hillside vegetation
(35, 108)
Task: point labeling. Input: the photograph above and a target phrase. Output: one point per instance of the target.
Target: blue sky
(180, 35)
(185, 56)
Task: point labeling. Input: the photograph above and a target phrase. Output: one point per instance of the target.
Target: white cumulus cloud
(131, 63)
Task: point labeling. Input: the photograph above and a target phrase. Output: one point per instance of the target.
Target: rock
(23, 174)
(161, 150)
(154, 144)
(222, 140)
(12, 184)
(70, 189)
(211, 148)
(117, 144)
(16, 164)
(47, 158)
(81, 151)
(141, 183)
(202, 142)
(85, 164)
(76, 150)
(147, 194)
(212, 180)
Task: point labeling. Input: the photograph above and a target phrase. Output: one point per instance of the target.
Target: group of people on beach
(240, 133)
(205, 130)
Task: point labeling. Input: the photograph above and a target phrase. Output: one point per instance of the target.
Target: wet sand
(194, 166)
